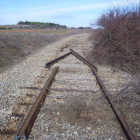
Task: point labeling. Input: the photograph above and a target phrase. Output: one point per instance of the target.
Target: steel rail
(118, 114)
(56, 60)
(25, 129)
(84, 60)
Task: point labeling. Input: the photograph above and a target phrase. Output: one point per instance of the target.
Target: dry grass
(15, 45)
(36, 31)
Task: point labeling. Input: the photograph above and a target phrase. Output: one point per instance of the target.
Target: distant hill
(42, 25)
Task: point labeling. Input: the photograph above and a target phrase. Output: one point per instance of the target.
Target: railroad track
(75, 105)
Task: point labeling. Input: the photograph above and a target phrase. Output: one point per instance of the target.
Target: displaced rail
(118, 114)
(76, 55)
(28, 123)
(83, 60)
(26, 127)
(56, 60)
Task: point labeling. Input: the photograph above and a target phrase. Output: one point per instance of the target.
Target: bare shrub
(117, 42)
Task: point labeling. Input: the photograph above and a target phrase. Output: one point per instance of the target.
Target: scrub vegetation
(117, 40)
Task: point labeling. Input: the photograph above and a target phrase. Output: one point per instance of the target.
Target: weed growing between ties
(117, 41)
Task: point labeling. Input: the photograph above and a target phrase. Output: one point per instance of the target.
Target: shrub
(117, 41)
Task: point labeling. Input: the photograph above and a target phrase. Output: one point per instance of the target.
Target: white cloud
(64, 16)
(57, 11)
(53, 11)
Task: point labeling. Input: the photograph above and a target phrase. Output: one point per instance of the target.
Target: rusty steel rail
(83, 60)
(76, 55)
(56, 60)
(118, 114)
(25, 129)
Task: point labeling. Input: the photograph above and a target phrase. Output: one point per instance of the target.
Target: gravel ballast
(75, 107)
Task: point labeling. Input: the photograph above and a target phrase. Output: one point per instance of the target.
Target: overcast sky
(74, 13)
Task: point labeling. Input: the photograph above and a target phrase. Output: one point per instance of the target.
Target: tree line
(42, 24)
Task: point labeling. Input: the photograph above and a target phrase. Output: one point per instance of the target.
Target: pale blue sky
(72, 13)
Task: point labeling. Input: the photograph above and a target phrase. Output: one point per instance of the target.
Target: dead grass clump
(77, 111)
(117, 42)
